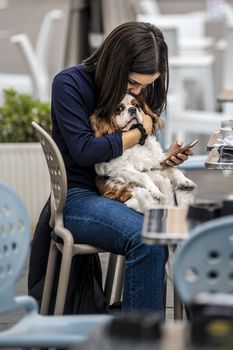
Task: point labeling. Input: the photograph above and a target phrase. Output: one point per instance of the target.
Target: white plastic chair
(190, 29)
(39, 77)
(66, 246)
(181, 122)
(33, 330)
(36, 59)
(227, 83)
(188, 58)
(227, 10)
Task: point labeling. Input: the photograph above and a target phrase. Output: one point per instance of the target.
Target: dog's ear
(157, 122)
(101, 126)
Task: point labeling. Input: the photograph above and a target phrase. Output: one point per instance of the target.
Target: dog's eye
(119, 109)
(137, 105)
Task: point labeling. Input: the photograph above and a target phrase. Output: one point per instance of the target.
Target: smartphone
(181, 150)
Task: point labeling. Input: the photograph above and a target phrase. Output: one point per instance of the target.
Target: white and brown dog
(137, 178)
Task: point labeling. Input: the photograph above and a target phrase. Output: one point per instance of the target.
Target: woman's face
(137, 82)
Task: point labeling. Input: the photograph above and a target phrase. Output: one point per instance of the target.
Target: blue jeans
(113, 226)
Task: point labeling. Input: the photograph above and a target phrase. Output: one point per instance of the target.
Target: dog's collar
(144, 134)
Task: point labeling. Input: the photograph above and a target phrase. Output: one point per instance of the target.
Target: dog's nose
(132, 110)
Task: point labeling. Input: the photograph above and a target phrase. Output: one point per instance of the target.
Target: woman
(133, 58)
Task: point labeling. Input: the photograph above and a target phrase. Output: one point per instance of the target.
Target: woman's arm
(71, 115)
(71, 126)
(132, 137)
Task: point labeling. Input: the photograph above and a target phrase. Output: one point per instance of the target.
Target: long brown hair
(131, 47)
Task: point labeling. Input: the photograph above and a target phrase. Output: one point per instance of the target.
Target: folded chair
(33, 330)
(204, 262)
(67, 247)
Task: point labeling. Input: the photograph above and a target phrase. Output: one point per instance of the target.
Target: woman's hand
(147, 123)
(180, 157)
(131, 138)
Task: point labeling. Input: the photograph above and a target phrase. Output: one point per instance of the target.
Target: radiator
(23, 167)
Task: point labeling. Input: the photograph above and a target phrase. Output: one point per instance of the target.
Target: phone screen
(189, 145)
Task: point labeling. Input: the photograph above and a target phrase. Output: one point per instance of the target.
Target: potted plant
(22, 163)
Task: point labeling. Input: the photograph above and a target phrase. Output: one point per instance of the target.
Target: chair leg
(178, 307)
(67, 255)
(119, 278)
(108, 288)
(165, 296)
(49, 277)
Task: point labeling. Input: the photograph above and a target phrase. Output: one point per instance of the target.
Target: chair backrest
(190, 26)
(38, 74)
(14, 243)
(56, 169)
(228, 57)
(47, 33)
(204, 262)
(38, 59)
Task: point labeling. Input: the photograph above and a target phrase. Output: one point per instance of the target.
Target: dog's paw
(155, 192)
(141, 200)
(186, 184)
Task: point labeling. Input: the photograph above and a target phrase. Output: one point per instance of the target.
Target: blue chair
(33, 330)
(204, 262)
(194, 163)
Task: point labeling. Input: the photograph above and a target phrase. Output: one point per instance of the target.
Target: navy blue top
(73, 102)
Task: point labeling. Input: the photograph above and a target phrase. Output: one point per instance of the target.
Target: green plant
(16, 114)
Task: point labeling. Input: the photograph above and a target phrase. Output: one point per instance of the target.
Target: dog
(137, 178)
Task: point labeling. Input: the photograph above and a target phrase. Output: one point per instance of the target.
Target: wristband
(144, 134)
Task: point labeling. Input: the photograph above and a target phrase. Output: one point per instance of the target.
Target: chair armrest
(26, 302)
